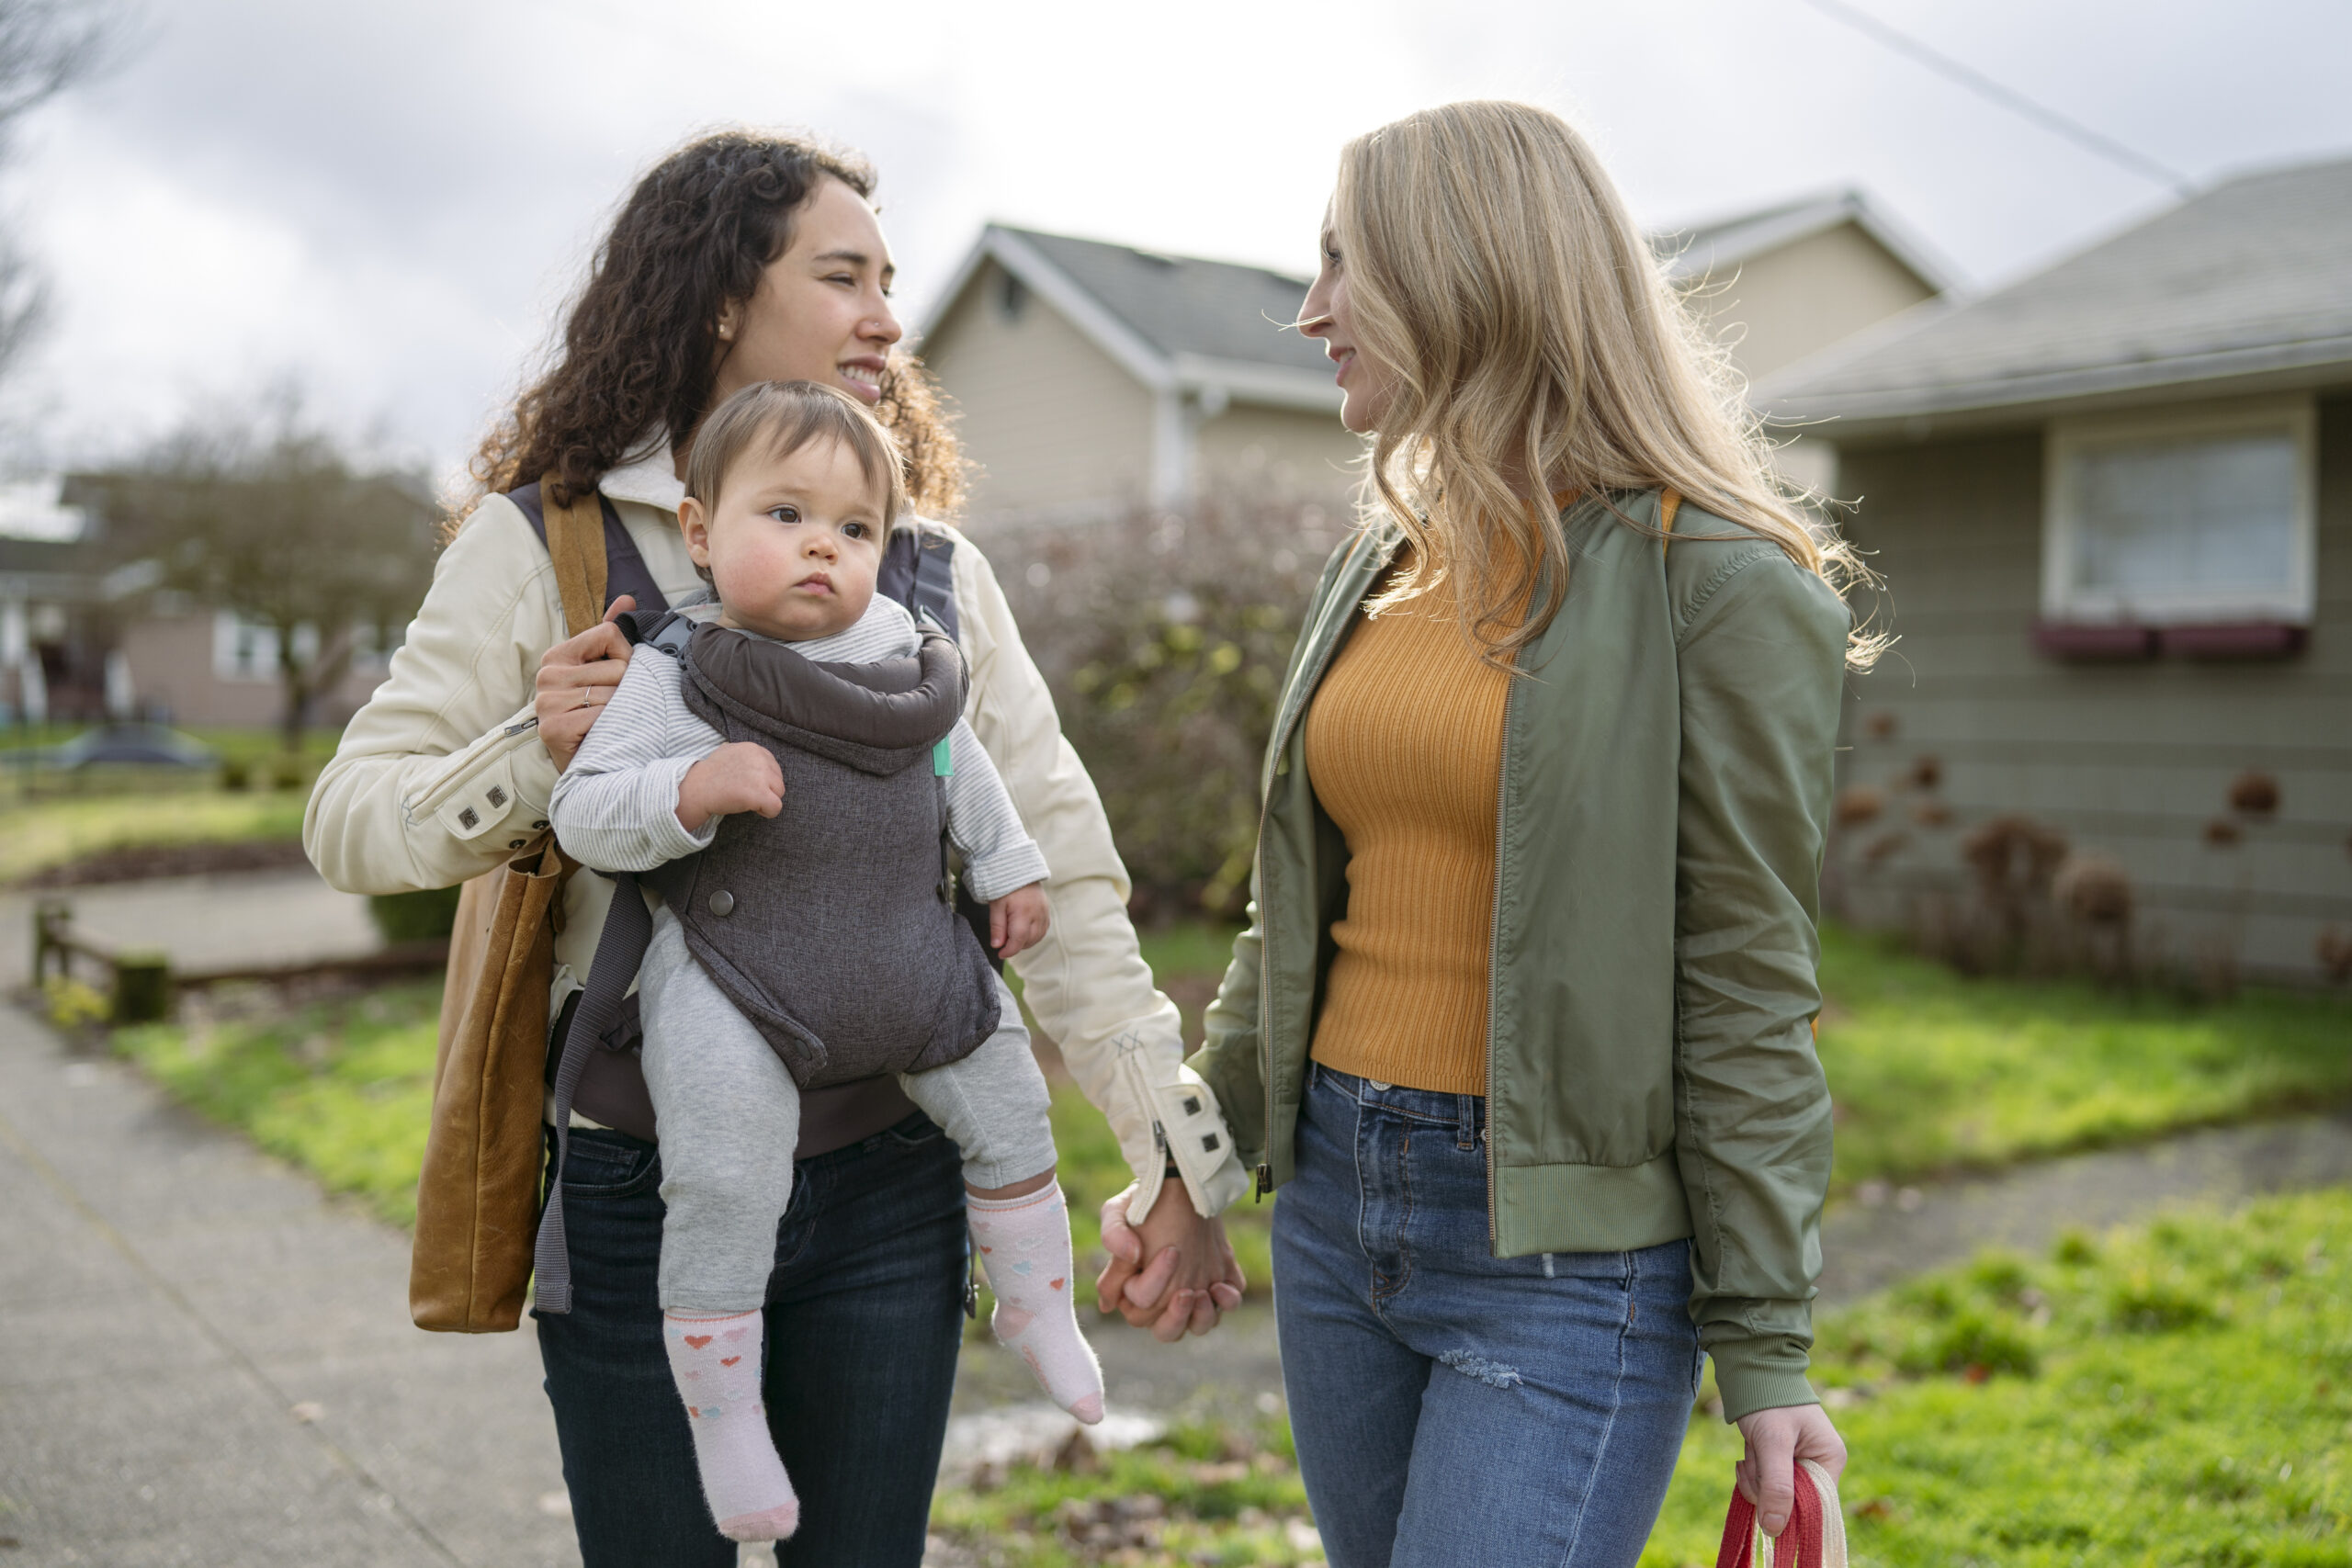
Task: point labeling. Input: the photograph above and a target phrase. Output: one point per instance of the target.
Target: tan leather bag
(478, 1195)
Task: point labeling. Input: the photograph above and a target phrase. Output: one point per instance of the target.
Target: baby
(801, 741)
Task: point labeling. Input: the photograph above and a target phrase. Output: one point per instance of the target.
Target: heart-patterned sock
(1024, 1248)
(715, 1361)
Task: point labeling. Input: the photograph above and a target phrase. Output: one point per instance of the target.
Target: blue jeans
(864, 1316)
(1451, 1407)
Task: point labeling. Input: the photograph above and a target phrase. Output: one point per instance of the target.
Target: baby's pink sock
(716, 1362)
(1025, 1248)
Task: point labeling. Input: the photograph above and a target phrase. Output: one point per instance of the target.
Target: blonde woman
(1521, 1023)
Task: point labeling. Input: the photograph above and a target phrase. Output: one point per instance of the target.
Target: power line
(1976, 82)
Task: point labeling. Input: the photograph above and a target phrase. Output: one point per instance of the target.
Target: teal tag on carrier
(943, 760)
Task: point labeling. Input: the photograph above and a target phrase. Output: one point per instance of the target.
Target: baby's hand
(739, 776)
(1017, 919)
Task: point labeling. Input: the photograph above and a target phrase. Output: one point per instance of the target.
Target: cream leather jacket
(442, 774)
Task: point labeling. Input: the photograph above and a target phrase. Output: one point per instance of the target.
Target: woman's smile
(863, 377)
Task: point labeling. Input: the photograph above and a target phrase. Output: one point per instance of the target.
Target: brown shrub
(2254, 793)
(2093, 888)
(1164, 638)
(1858, 804)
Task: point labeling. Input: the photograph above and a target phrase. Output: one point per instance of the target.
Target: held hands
(1777, 1438)
(739, 776)
(1192, 1279)
(1017, 919)
(576, 679)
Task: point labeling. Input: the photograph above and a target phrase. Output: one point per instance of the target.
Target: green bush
(235, 774)
(287, 772)
(427, 915)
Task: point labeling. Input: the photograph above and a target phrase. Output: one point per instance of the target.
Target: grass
(1198, 1494)
(37, 836)
(2178, 1394)
(344, 1088)
(1933, 1071)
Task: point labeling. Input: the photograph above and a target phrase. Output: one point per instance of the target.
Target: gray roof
(2250, 282)
(1186, 305)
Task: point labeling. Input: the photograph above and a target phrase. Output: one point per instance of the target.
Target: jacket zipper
(1494, 934)
(510, 740)
(1265, 1172)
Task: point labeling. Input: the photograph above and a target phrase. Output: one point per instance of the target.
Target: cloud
(391, 203)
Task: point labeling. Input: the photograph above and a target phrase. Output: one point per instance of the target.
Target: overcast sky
(389, 203)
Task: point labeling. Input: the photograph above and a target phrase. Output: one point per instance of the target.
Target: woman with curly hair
(743, 258)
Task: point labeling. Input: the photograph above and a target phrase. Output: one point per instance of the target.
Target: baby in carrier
(786, 766)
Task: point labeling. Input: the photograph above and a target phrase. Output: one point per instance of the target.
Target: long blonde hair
(1530, 331)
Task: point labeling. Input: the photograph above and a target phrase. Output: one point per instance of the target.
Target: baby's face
(792, 542)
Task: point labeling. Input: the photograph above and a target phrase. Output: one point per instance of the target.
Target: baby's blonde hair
(787, 416)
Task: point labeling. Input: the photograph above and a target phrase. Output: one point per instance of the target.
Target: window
(2187, 518)
(247, 650)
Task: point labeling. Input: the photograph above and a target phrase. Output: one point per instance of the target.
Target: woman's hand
(1192, 1279)
(576, 680)
(1776, 1439)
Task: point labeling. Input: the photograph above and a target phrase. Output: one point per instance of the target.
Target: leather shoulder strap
(1670, 501)
(594, 564)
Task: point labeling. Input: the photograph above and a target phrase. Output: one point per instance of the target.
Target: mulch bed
(140, 863)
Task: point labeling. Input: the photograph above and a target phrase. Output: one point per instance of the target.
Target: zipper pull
(516, 729)
(1265, 1183)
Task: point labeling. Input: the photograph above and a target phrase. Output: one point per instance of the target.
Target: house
(1090, 375)
(2112, 505)
(85, 635)
(1785, 282)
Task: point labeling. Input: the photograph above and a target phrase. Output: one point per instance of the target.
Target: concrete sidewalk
(202, 1362)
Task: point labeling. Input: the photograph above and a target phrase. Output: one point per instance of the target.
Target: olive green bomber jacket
(1665, 791)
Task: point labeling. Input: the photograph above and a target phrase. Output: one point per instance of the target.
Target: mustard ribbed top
(1404, 747)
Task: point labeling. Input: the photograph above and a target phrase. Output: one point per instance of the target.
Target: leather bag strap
(1670, 501)
(576, 545)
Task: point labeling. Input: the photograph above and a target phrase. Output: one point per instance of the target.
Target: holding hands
(739, 776)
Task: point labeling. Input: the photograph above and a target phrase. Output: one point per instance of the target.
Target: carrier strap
(623, 570)
(628, 928)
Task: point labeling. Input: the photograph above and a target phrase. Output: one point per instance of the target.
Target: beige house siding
(1784, 304)
(1286, 454)
(1047, 418)
(2129, 759)
(172, 671)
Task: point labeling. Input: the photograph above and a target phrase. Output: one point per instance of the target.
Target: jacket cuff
(1761, 1374)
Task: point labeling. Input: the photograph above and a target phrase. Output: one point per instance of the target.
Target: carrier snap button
(722, 904)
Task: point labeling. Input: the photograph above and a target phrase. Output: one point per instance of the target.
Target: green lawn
(2180, 1394)
(344, 1088)
(44, 833)
(1930, 1070)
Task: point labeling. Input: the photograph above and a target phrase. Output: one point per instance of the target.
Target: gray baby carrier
(831, 926)
(835, 927)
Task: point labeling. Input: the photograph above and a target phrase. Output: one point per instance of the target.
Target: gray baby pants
(729, 1114)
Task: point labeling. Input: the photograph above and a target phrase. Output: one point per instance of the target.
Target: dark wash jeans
(1450, 1407)
(864, 1316)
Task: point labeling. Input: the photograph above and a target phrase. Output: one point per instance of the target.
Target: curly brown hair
(639, 348)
